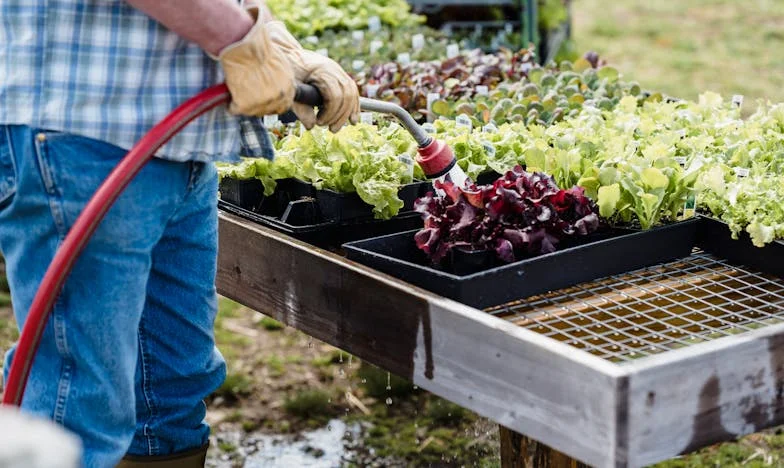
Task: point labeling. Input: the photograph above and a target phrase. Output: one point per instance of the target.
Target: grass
(309, 404)
(684, 47)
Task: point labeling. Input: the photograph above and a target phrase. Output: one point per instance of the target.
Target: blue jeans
(129, 353)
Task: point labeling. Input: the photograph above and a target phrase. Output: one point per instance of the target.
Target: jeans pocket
(7, 167)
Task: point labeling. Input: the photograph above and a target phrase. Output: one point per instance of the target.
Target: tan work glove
(258, 74)
(340, 92)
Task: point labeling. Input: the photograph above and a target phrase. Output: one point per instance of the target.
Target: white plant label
(323, 52)
(452, 51)
(405, 159)
(741, 171)
(270, 120)
(429, 128)
(737, 100)
(404, 58)
(372, 90)
(490, 128)
(464, 121)
(489, 148)
(418, 42)
(680, 160)
(431, 98)
(366, 118)
(374, 23)
(509, 28)
(482, 90)
(375, 46)
(358, 35)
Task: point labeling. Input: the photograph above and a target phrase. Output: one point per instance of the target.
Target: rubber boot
(189, 459)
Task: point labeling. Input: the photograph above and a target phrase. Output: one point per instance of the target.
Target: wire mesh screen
(649, 311)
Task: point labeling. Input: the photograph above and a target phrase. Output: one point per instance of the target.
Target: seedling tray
(715, 238)
(349, 206)
(339, 207)
(620, 251)
(302, 220)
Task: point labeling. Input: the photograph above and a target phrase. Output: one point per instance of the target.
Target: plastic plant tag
(489, 149)
(509, 28)
(323, 52)
(405, 159)
(737, 100)
(478, 30)
(464, 121)
(375, 46)
(741, 171)
(312, 39)
(404, 58)
(374, 23)
(270, 120)
(482, 90)
(452, 51)
(418, 41)
(366, 118)
(490, 128)
(358, 35)
(447, 30)
(690, 207)
(680, 160)
(429, 128)
(358, 65)
(372, 90)
(431, 98)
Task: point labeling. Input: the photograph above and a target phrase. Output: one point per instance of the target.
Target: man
(128, 354)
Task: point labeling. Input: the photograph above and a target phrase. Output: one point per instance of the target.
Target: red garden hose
(85, 225)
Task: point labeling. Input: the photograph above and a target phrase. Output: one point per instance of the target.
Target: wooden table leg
(518, 451)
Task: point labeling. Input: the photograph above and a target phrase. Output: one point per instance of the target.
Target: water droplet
(341, 357)
(389, 381)
(389, 400)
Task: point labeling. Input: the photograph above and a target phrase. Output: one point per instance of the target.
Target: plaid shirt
(104, 70)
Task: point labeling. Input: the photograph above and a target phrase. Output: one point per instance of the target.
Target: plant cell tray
(302, 220)
(715, 237)
(598, 256)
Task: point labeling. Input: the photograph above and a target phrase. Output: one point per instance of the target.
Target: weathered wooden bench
(622, 372)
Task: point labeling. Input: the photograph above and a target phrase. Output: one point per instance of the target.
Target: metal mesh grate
(649, 311)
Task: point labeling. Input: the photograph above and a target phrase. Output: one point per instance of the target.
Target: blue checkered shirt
(104, 70)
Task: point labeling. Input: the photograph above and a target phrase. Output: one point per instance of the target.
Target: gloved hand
(258, 74)
(340, 92)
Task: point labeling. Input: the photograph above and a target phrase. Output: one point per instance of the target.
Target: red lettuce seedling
(520, 215)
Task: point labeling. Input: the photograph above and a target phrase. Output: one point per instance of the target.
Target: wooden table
(587, 408)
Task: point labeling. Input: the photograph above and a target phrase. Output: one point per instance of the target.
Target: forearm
(212, 24)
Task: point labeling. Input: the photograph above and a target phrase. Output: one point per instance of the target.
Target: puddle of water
(321, 448)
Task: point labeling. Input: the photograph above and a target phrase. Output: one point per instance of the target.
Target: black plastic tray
(349, 206)
(398, 256)
(714, 237)
(302, 220)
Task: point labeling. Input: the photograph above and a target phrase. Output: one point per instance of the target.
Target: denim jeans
(128, 354)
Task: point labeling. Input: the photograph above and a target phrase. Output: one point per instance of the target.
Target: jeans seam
(153, 447)
(55, 205)
(58, 319)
